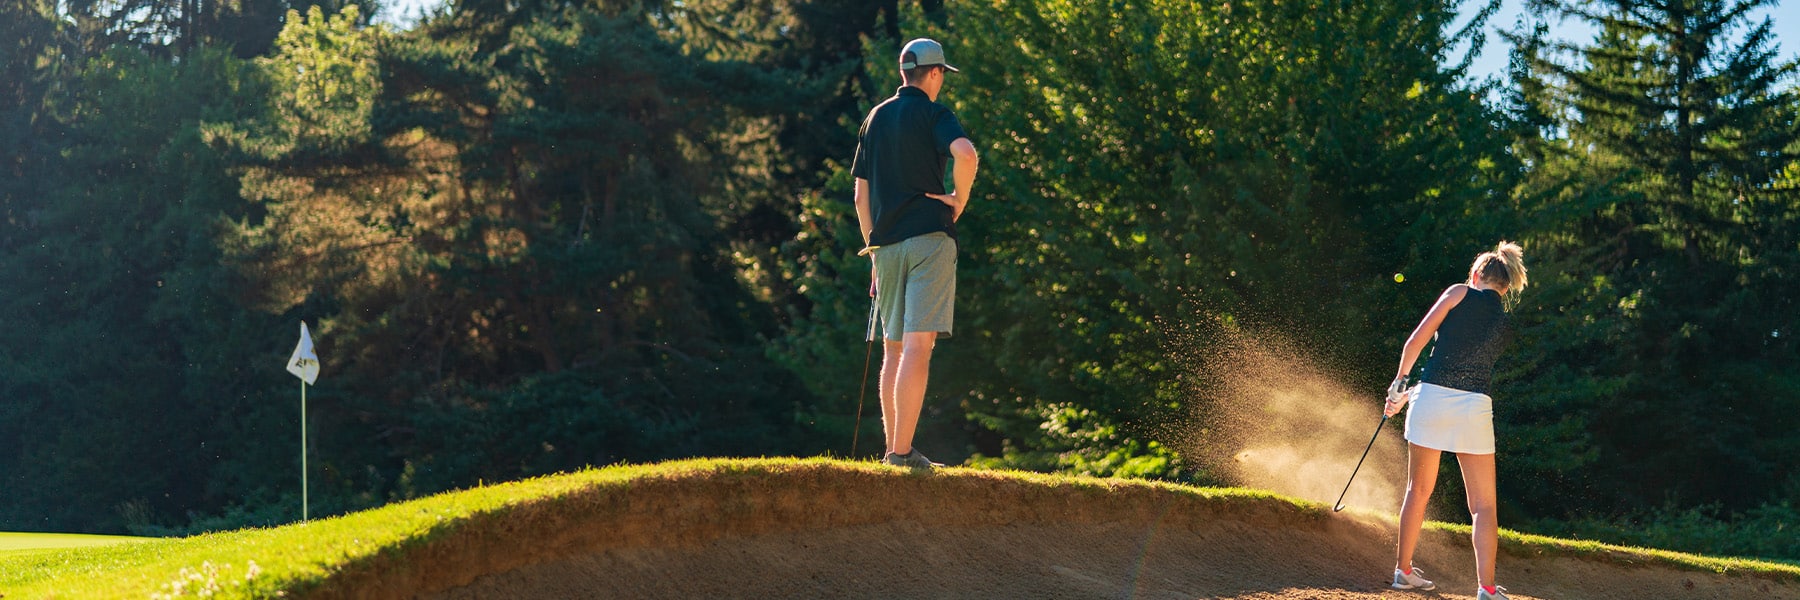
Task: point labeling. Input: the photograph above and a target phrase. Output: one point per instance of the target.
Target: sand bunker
(829, 531)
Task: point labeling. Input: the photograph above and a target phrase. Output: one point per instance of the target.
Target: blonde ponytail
(1514, 258)
(1504, 266)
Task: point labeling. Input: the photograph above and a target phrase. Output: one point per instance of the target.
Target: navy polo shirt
(902, 150)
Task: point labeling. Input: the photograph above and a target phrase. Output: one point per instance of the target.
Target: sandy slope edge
(833, 529)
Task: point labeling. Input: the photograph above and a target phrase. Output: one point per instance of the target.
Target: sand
(884, 533)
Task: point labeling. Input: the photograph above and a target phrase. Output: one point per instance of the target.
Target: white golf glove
(1398, 394)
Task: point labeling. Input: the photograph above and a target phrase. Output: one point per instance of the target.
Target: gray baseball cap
(924, 53)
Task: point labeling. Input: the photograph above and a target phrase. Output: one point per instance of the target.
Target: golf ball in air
(1399, 278)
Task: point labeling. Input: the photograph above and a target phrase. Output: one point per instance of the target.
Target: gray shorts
(915, 287)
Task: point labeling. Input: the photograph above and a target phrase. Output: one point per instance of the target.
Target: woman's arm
(1421, 335)
(1428, 327)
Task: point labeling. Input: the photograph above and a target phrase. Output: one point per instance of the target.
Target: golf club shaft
(1365, 455)
(868, 352)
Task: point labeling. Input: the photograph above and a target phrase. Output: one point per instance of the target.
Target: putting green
(12, 542)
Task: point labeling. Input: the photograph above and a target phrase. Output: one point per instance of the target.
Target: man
(909, 225)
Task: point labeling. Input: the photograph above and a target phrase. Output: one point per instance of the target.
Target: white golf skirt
(1451, 420)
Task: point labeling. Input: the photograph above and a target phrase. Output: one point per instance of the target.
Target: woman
(1451, 410)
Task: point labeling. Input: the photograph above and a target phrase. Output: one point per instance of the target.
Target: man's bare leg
(909, 387)
(890, 373)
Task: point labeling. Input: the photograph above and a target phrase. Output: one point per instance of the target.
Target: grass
(260, 563)
(1537, 545)
(294, 559)
(13, 543)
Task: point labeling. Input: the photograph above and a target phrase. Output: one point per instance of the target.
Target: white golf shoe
(1412, 581)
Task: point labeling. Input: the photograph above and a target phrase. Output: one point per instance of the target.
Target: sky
(404, 12)
(1492, 61)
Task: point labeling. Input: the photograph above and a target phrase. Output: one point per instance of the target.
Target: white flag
(304, 363)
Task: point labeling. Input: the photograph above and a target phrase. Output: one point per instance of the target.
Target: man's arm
(865, 220)
(967, 161)
(865, 217)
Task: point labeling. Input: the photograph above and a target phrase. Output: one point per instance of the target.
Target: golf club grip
(873, 311)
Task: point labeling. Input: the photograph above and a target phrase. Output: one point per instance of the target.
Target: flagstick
(304, 509)
(305, 365)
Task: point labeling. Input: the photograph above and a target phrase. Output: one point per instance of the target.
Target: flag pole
(305, 365)
(304, 509)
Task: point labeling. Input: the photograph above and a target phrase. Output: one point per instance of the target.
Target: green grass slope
(447, 540)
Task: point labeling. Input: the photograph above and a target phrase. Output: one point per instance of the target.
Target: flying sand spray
(1270, 415)
(1395, 391)
(1339, 505)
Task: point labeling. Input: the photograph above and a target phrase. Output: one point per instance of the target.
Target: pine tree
(1660, 149)
(32, 62)
(1152, 166)
(172, 28)
(514, 219)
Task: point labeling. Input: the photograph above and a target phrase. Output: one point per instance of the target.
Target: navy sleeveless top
(1468, 343)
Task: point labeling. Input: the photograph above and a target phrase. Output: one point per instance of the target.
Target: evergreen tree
(1164, 167)
(33, 63)
(178, 27)
(1656, 201)
(529, 239)
(100, 413)
(511, 226)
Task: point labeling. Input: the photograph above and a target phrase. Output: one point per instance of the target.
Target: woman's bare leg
(1421, 477)
(1478, 479)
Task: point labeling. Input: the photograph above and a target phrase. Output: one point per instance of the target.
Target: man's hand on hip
(967, 162)
(951, 200)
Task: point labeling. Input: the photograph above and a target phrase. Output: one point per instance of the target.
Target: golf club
(1340, 501)
(867, 352)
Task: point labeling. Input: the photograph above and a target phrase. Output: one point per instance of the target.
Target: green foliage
(1150, 167)
(100, 262)
(539, 247)
(1130, 459)
(1655, 369)
(177, 28)
(570, 420)
(29, 68)
(826, 343)
(529, 234)
(533, 236)
(1766, 531)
